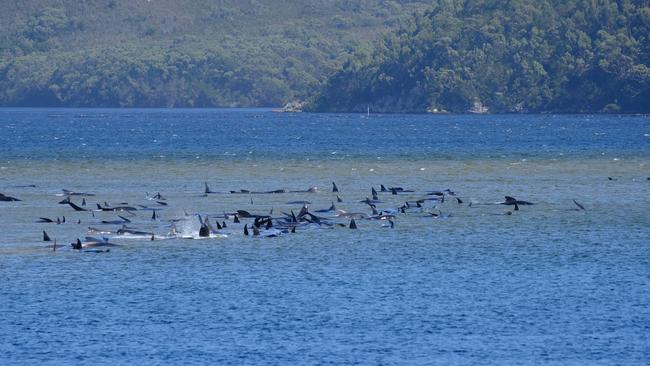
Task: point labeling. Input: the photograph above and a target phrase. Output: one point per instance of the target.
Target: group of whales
(426, 204)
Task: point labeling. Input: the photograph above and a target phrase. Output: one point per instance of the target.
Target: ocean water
(547, 284)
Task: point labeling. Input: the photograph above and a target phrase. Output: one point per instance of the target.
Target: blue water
(260, 135)
(548, 284)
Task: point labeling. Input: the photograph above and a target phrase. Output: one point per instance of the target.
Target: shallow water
(548, 284)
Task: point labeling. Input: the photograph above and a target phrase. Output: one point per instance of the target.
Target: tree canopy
(514, 56)
(181, 53)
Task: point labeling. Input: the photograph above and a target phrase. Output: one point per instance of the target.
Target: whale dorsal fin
(579, 205)
(207, 189)
(353, 224)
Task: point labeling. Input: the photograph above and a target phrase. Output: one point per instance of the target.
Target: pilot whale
(91, 242)
(579, 205)
(275, 191)
(394, 190)
(117, 222)
(4, 198)
(72, 193)
(207, 191)
(330, 209)
(116, 208)
(247, 215)
(513, 201)
(75, 207)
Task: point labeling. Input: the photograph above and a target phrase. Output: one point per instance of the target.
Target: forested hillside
(177, 53)
(504, 56)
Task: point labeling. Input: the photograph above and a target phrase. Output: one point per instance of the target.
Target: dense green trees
(174, 53)
(509, 56)
(204, 75)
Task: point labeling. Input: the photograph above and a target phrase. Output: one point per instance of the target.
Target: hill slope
(180, 52)
(506, 56)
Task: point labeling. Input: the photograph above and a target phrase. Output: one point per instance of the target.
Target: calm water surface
(549, 284)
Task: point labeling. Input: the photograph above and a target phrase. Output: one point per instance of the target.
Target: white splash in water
(188, 228)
